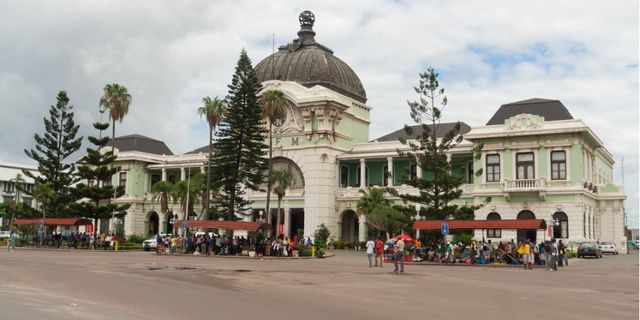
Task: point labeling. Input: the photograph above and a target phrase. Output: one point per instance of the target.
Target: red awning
(55, 222)
(224, 225)
(531, 224)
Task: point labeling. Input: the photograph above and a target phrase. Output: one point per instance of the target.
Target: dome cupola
(310, 63)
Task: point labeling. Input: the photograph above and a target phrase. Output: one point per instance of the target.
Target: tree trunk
(268, 213)
(208, 196)
(278, 217)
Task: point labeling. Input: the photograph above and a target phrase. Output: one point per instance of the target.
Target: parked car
(608, 247)
(149, 244)
(589, 249)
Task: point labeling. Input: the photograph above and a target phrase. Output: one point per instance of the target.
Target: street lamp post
(418, 217)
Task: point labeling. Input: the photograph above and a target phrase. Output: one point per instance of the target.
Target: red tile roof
(55, 222)
(225, 225)
(481, 224)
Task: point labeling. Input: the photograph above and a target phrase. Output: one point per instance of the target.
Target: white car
(149, 244)
(608, 247)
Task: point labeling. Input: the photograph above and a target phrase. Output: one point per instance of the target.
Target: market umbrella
(404, 237)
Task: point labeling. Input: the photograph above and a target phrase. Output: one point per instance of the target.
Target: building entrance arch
(153, 223)
(350, 226)
(524, 233)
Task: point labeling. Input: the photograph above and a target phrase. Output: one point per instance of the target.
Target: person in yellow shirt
(525, 251)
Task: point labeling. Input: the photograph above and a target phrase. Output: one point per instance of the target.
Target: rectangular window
(494, 233)
(470, 172)
(123, 179)
(525, 166)
(493, 168)
(558, 165)
(414, 172)
(385, 175)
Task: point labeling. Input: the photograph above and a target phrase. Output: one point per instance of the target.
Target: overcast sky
(170, 54)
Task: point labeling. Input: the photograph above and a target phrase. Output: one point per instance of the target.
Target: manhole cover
(243, 270)
(156, 268)
(185, 268)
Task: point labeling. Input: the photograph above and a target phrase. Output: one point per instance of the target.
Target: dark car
(589, 249)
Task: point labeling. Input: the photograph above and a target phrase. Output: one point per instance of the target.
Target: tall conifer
(239, 161)
(96, 189)
(429, 151)
(57, 144)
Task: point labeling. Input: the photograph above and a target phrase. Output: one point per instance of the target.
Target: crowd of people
(76, 240)
(209, 243)
(551, 253)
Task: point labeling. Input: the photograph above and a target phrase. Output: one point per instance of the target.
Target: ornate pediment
(524, 121)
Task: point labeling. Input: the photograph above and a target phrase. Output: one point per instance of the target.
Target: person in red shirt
(379, 252)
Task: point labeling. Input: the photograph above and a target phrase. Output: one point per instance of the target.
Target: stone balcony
(510, 186)
(353, 193)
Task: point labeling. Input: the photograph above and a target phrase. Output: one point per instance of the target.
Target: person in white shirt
(370, 250)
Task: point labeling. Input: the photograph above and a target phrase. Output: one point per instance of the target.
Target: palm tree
(273, 104)
(117, 99)
(213, 110)
(161, 191)
(44, 194)
(378, 209)
(186, 192)
(282, 180)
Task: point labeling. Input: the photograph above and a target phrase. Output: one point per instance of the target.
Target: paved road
(138, 285)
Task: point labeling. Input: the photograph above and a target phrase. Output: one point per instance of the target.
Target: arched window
(526, 215)
(281, 163)
(560, 225)
(494, 233)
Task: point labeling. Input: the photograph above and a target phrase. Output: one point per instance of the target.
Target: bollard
(313, 251)
(116, 245)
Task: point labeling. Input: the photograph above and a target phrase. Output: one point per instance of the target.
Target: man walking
(399, 250)
(562, 254)
(379, 252)
(554, 255)
(12, 241)
(370, 250)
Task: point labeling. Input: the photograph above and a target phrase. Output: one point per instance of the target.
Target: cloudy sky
(170, 54)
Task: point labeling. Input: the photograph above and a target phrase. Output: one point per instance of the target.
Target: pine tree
(239, 160)
(95, 190)
(57, 144)
(430, 153)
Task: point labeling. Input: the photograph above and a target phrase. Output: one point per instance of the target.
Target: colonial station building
(538, 162)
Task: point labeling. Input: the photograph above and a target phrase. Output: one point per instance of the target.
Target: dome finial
(307, 19)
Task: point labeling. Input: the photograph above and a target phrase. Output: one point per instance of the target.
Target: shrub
(134, 238)
(465, 238)
(320, 238)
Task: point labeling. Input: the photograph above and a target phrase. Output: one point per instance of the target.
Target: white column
(363, 171)
(183, 175)
(287, 221)
(419, 171)
(202, 169)
(164, 174)
(390, 168)
(362, 228)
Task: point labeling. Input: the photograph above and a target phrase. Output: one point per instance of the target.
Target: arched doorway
(560, 225)
(350, 230)
(524, 233)
(153, 223)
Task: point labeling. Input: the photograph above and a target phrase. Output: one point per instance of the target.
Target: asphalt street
(37, 284)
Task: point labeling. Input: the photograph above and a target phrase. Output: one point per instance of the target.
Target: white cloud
(171, 54)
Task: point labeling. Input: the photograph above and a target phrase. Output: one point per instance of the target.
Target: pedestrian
(399, 251)
(525, 252)
(12, 241)
(562, 254)
(370, 251)
(379, 252)
(554, 255)
(547, 253)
